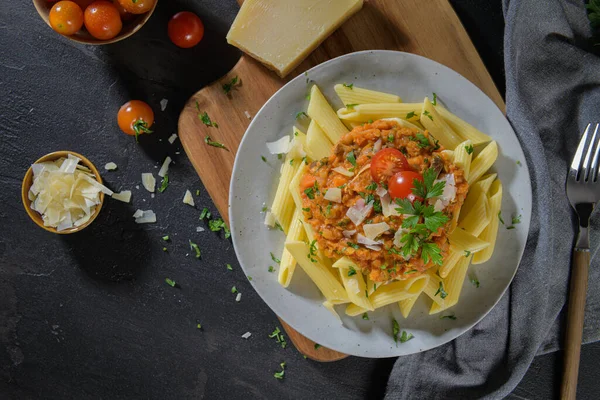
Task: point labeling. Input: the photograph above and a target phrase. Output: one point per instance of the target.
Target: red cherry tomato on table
(401, 184)
(386, 163)
(102, 20)
(135, 117)
(137, 6)
(66, 17)
(185, 29)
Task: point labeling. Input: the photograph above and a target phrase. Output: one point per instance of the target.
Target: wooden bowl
(130, 27)
(28, 181)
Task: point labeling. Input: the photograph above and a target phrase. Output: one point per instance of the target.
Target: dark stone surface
(90, 315)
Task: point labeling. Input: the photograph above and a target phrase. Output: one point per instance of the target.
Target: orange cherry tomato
(135, 117)
(102, 20)
(401, 184)
(386, 163)
(125, 15)
(66, 17)
(185, 29)
(83, 3)
(137, 6)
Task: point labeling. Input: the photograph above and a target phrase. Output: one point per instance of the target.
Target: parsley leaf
(229, 267)
(301, 114)
(516, 219)
(371, 186)
(431, 251)
(351, 158)
(421, 140)
(405, 337)
(228, 86)
(395, 330)
(441, 291)
(350, 86)
(279, 375)
(410, 115)
(171, 282)
(434, 220)
(500, 217)
(353, 245)
(278, 226)
(428, 189)
(428, 114)
(164, 184)
(351, 271)
(434, 101)
(469, 149)
(212, 143)
(263, 158)
(474, 280)
(278, 337)
(365, 316)
(271, 269)
(275, 259)
(310, 193)
(450, 316)
(205, 214)
(467, 253)
(206, 119)
(234, 289)
(312, 251)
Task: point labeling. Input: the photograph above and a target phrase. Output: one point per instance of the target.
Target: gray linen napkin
(553, 92)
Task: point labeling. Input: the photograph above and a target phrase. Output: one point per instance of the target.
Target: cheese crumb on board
(111, 166)
(281, 34)
(188, 199)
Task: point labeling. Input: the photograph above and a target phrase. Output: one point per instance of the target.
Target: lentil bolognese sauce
(387, 197)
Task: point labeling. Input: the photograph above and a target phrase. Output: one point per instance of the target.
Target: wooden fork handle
(577, 294)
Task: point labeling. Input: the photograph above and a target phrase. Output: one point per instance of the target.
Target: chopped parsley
(279, 375)
(391, 137)
(518, 163)
(351, 106)
(164, 183)
(228, 86)
(467, 253)
(194, 246)
(370, 121)
(278, 337)
(312, 252)
(350, 86)
(310, 193)
(421, 140)
(377, 206)
(450, 316)
(264, 209)
(205, 118)
(395, 330)
(351, 158)
(271, 269)
(165, 249)
(217, 225)
(405, 337)
(441, 291)
(275, 259)
(170, 282)
(301, 114)
(317, 346)
(229, 267)
(469, 149)
(371, 186)
(500, 217)
(306, 209)
(474, 280)
(166, 238)
(205, 214)
(234, 289)
(278, 226)
(198, 325)
(353, 245)
(516, 219)
(410, 115)
(434, 102)
(212, 143)
(263, 158)
(428, 114)
(365, 316)
(351, 271)
(197, 192)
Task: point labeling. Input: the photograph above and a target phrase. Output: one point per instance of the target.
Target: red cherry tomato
(66, 17)
(102, 20)
(386, 163)
(135, 117)
(401, 184)
(185, 29)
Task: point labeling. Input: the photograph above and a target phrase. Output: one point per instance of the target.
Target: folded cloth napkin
(553, 92)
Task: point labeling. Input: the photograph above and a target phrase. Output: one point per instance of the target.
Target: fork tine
(576, 164)
(588, 157)
(594, 170)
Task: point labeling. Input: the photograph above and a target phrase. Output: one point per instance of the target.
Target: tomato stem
(140, 126)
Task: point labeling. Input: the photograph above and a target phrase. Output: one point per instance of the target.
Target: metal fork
(583, 191)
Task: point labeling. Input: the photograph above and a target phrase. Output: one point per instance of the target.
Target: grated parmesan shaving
(188, 198)
(246, 335)
(165, 167)
(163, 103)
(111, 166)
(172, 138)
(124, 196)
(148, 181)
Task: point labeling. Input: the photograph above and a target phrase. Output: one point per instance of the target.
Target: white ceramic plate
(254, 182)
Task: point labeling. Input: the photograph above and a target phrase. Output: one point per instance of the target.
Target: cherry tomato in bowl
(185, 29)
(386, 163)
(66, 17)
(135, 117)
(400, 185)
(102, 20)
(125, 15)
(137, 6)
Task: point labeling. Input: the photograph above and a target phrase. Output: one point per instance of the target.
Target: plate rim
(521, 154)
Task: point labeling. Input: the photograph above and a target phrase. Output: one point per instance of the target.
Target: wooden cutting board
(428, 28)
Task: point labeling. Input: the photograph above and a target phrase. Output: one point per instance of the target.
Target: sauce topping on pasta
(355, 216)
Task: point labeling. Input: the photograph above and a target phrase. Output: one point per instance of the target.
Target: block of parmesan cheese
(281, 33)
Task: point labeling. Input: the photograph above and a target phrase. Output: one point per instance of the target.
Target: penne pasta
(329, 306)
(322, 113)
(392, 293)
(462, 156)
(453, 286)
(355, 95)
(298, 144)
(490, 233)
(354, 282)
(477, 218)
(318, 146)
(481, 186)
(283, 203)
(288, 263)
(437, 127)
(294, 187)
(317, 272)
(483, 161)
(372, 112)
(462, 240)
(463, 129)
(450, 262)
(432, 289)
(406, 305)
